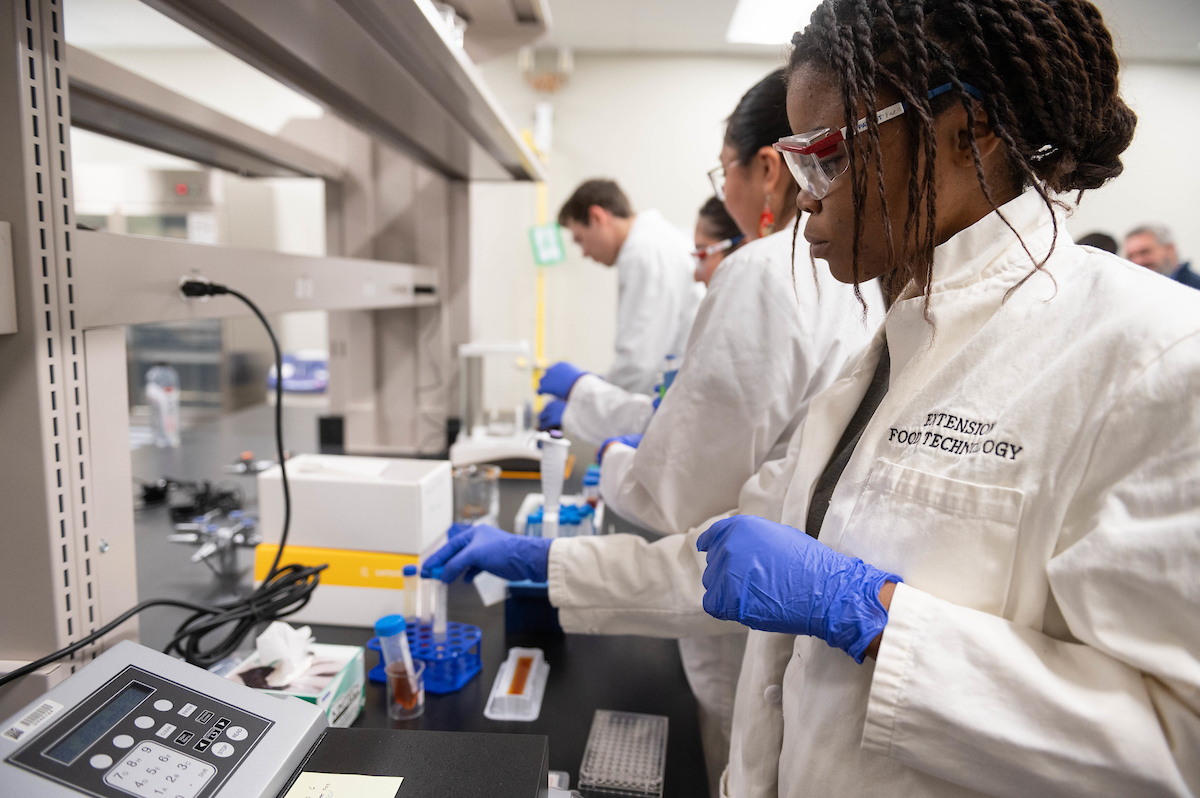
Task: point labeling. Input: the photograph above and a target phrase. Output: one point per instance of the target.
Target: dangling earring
(766, 221)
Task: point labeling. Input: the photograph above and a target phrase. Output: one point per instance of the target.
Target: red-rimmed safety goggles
(818, 157)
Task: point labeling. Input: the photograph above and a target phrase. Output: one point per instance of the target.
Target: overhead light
(768, 21)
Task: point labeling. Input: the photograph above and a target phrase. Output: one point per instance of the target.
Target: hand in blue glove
(486, 548)
(551, 415)
(559, 379)
(631, 441)
(775, 578)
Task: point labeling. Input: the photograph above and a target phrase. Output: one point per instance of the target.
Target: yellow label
(346, 567)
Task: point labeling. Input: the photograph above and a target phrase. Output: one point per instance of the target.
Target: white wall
(652, 123)
(1161, 182)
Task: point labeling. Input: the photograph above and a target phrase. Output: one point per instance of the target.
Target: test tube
(426, 601)
(411, 584)
(393, 644)
(440, 602)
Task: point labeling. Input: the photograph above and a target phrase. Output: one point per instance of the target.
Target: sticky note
(343, 785)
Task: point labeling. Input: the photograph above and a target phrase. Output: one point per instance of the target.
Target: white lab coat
(656, 300)
(1043, 508)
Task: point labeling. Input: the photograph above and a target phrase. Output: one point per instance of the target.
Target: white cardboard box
(363, 503)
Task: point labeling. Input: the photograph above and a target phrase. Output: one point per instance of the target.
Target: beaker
(405, 695)
(476, 494)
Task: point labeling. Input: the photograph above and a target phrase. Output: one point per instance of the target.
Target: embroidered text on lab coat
(948, 422)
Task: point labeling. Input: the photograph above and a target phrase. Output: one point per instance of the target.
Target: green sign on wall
(546, 241)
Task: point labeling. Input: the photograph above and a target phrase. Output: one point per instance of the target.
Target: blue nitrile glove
(631, 441)
(486, 548)
(775, 578)
(551, 415)
(559, 379)
(657, 401)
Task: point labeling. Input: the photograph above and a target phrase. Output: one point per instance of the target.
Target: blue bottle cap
(410, 570)
(436, 572)
(390, 625)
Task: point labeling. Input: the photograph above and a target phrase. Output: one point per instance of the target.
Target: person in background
(656, 299)
(602, 410)
(1153, 246)
(716, 236)
(1100, 241)
(769, 335)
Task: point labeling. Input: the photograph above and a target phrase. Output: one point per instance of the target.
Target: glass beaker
(476, 494)
(403, 702)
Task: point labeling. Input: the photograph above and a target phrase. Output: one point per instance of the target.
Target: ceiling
(1154, 30)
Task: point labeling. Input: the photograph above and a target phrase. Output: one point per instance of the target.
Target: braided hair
(1046, 69)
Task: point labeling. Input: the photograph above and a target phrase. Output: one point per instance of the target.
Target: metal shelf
(108, 99)
(384, 66)
(134, 280)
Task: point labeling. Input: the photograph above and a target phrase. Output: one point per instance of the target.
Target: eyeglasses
(717, 178)
(818, 157)
(721, 246)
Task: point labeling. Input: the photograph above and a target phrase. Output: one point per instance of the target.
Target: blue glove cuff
(863, 616)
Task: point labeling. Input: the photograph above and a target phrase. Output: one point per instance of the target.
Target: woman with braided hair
(984, 581)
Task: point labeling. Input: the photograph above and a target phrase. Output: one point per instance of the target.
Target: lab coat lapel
(828, 416)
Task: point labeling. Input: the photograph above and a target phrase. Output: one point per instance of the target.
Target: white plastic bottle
(162, 394)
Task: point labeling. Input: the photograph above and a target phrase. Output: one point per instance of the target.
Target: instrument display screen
(99, 724)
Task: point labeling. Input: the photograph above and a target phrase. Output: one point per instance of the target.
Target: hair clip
(1045, 151)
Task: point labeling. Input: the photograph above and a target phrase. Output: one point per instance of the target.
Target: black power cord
(283, 592)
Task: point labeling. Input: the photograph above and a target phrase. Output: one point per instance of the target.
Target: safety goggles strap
(827, 144)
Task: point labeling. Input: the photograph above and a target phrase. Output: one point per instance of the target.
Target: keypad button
(202, 745)
(222, 750)
(163, 705)
(221, 724)
(236, 733)
(187, 709)
(204, 717)
(100, 761)
(166, 731)
(122, 741)
(143, 722)
(185, 737)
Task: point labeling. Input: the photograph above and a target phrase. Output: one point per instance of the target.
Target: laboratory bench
(587, 672)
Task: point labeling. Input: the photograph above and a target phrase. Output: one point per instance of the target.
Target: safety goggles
(721, 246)
(818, 157)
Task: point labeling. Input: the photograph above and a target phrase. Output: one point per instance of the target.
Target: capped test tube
(393, 644)
(411, 585)
(440, 605)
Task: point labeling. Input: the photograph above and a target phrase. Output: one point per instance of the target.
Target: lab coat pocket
(952, 539)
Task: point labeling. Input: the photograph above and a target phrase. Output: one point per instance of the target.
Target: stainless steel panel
(108, 99)
(135, 280)
(384, 68)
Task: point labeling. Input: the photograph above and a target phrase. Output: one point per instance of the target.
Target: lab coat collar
(642, 227)
(972, 272)
(989, 247)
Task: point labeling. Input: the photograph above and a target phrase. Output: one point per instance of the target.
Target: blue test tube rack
(449, 664)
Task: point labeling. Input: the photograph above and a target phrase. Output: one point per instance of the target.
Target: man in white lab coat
(657, 297)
